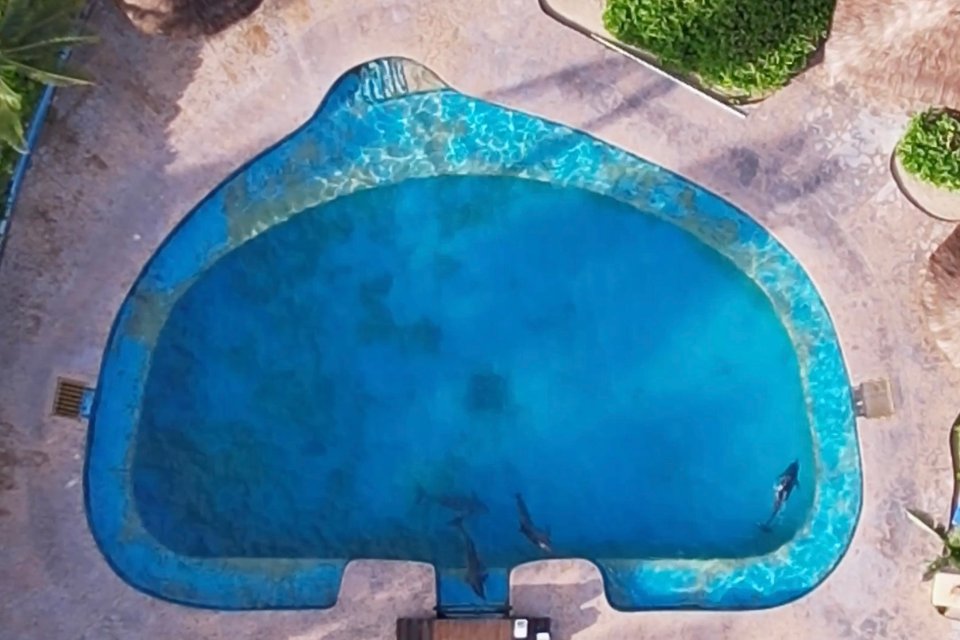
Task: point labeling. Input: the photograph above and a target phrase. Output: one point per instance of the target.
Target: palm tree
(33, 33)
(897, 52)
(949, 537)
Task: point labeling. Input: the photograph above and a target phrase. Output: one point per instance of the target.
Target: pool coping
(247, 212)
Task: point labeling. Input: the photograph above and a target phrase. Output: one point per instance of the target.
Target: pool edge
(225, 243)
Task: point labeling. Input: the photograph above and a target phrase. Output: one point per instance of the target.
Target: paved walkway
(122, 163)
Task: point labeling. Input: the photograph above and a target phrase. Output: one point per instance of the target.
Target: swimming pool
(421, 306)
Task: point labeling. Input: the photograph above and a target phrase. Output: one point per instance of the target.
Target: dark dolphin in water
(461, 504)
(539, 537)
(476, 575)
(786, 483)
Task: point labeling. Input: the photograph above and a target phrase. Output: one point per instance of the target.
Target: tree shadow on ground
(191, 17)
(597, 81)
(100, 165)
(600, 84)
(778, 175)
(105, 141)
(634, 102)
(112, 138)
(597, 72)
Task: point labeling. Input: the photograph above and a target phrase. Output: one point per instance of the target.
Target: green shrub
(32, 35)
(930, 149)
(29, 92)
(744, 48)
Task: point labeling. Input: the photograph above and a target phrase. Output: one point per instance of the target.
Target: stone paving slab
(120, 164)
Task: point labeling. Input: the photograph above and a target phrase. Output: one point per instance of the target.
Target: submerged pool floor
(321, 391)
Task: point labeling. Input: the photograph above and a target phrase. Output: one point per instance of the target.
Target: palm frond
(33, 33)
(26, 20)
(11, 128)
(9, 96)
(54, 45)
(52, 76)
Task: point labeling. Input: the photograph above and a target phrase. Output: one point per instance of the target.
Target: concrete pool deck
(120, 164)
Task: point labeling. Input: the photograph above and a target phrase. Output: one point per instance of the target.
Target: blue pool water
(420, 298)
(471, 335)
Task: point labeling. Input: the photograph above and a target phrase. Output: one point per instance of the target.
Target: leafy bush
(29, 92)
(32, 35)
(930, 149)
(741, 47)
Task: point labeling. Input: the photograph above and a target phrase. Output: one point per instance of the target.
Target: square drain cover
(69, 398)
(873, 399)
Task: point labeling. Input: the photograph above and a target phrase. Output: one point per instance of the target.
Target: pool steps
(383, 80)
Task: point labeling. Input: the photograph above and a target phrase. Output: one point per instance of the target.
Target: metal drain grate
(68, 399)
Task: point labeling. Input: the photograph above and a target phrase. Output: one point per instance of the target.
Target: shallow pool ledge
(393, 120)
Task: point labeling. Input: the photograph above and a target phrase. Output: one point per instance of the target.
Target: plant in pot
(927, 162)
(949, 537)
(944, 570)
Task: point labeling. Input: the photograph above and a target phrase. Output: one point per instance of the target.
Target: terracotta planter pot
(934, 201)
